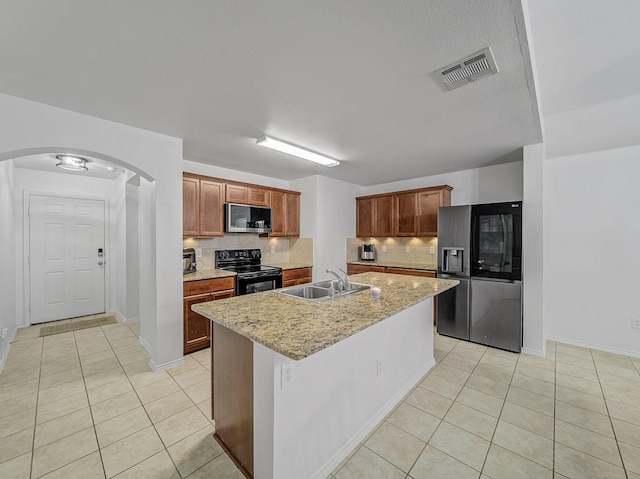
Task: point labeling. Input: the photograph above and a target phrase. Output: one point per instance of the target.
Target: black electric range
(252, 276)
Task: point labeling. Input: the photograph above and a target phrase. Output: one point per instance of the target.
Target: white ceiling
(588, 63)
(350, 79)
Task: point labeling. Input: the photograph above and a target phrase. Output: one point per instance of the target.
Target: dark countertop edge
(289, 265)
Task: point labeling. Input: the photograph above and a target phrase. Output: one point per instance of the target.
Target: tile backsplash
(396, 249)
(295, 250)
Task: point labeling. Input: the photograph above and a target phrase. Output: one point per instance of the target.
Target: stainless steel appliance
(367, 252)
(247, 219)
(481, 246)
(188, 260)
(252, 276)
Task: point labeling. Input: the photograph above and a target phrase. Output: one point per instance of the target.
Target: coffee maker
(188, 261)
(367, 252)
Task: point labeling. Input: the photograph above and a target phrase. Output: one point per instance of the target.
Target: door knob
(100, 263)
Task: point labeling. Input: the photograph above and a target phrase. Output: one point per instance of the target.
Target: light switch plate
(432, 250)
(384, 248)
(408, 249)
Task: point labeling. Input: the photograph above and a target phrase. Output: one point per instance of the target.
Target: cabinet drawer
(291, 274)
(412, 272)
(208, 286)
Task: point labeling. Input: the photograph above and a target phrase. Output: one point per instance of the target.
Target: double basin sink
(322, 291)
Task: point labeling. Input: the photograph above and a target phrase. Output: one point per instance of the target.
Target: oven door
(247, 284)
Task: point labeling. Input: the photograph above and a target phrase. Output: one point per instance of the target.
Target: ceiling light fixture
(278, 145)
(72, 163)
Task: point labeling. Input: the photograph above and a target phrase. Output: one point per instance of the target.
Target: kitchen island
(298, 384)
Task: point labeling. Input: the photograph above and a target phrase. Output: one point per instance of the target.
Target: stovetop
(243, 261)
(250, 269)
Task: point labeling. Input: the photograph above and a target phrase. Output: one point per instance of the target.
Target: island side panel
(232, 399)
(336, 396)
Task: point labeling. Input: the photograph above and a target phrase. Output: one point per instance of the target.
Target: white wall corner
(533, 327)
(5, 346)
(161, 367)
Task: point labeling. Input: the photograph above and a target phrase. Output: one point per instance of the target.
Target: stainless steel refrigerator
(481, 246)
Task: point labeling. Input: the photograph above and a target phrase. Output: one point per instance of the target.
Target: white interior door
(66, 257)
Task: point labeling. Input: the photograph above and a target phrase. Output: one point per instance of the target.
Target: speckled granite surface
(288, 265)
(298, 328)
(207, 274)
(395, 264)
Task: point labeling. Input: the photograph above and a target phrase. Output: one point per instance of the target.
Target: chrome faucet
(341, 283)
(346, 280)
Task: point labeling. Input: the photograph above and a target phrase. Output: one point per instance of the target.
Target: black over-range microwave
(246, 219)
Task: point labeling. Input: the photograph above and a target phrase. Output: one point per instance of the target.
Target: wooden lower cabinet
(197, 329)
(232, 395)
(361, 268)
(293, 277)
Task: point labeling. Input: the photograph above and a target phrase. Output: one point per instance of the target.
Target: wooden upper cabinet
(211, 209)
(203, 200)
(277, 213)
(383, 216)
(236, 194)
(364, 216)
(406, 214)
(259, 196)
(292, 215)
(428, 204)
(401, 213)
(190, 206)
(374, 216)
(247, 194)
(202, 213)
(285, 213)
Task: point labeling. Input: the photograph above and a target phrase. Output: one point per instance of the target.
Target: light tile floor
(487, 413)
(86, 405)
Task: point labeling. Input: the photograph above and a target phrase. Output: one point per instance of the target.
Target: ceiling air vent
(467, 70)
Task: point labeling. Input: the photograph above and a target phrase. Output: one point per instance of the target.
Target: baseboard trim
(6, 346)
(163, 366)
(533, 352)
(145, 345)
(124, 320)
(344, 451)
(573, 342)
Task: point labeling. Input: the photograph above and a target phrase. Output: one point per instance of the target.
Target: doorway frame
(26, 235)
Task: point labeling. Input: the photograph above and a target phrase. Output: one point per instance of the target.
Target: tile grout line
(613, 429)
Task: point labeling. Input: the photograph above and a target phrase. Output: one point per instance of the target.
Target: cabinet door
(211, 208)
(292, 215)
(190, 206)
(383, 223)
(258, 196)
(406, 214)
(428, 204)
(197, 329)
(364, 217)
(223, 295)
(277, 213)
(237, 194)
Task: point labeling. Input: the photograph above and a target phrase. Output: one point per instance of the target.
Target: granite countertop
(297, 328)
(289, 265)
(207, 274)
(397, 264)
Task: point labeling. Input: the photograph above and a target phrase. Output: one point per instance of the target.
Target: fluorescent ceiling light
(278, 145)
(72, 163)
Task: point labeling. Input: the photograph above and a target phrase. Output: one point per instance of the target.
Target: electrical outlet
(432, 250)
(379, 368)
(408, 249)
(3, 333)
(384, 248)
(635, 323)
(273, 249)
(198, 252)
(286, 374)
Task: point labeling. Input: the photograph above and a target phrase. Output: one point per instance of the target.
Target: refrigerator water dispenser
(452, 260)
